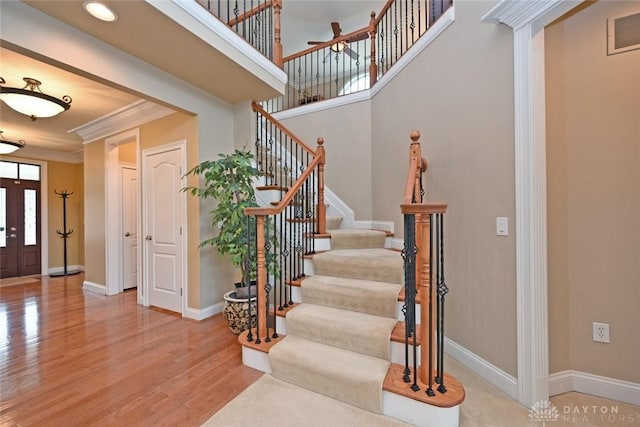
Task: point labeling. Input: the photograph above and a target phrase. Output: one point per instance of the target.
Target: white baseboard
(94, 287)
(373, 225)
(491, 373)
(55, 270)
(582, 382)
(203, 313)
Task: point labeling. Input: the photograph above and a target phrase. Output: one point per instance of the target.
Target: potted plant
(229, 181)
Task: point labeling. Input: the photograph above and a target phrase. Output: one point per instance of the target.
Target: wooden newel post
(423, 235)
(322, 207)
(277, 44)
(415, 151)
(373, 68)
(262, 277)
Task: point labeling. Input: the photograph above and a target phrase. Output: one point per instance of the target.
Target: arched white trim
(528, 19)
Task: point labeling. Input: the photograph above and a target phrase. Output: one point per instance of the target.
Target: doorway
(163, 212)
(20, 219)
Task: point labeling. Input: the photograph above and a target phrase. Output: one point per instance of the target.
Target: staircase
(344, 337)
(347, 321)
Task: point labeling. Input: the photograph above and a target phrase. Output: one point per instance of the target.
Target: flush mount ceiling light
(7, 146)
(100, 11)
(30, 100)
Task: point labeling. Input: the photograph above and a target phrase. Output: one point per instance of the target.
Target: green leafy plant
(229, 181)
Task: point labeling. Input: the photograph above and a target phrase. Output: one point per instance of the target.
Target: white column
(531, 227)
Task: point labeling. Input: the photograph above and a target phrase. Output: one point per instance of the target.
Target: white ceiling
(302, 20)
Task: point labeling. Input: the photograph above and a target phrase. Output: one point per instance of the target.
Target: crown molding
(37, 153)
(130, 116)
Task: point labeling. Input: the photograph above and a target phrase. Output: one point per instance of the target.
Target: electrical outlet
(601, 332)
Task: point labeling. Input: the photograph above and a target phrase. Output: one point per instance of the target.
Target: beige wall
(66, 177)
(127, 153)
(94, 213)
(347, 140)
(593, 175)
(459, 95)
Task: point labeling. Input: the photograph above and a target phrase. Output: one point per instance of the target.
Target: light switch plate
(502, 226)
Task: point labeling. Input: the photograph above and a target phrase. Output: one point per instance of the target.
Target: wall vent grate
(623, 33)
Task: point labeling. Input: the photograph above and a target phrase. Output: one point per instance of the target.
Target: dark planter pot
(245, 291)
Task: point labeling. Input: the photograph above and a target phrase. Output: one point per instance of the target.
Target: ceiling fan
(342, 45)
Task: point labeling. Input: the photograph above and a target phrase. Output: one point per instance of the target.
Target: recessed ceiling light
(100, 11)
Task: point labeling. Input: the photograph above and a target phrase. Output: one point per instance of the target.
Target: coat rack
(64, 234)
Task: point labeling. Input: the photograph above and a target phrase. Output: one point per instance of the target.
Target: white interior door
(163, 220)
(129, 179)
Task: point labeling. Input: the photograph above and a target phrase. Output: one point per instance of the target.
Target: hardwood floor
(75, 358)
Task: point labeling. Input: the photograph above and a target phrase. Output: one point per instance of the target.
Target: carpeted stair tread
(357, 239)
(359, 332)
(341, 374)
(380, 265)
(365, 296)
(333, 222)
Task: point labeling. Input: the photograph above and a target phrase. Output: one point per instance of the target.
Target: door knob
(147, 237)
(127, 234)
(12, 228)
(13, 236)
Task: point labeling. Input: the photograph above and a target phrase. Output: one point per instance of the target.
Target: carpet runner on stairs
(338, 340)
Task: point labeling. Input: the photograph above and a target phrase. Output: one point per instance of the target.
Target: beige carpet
(380, 265)
(271, 402)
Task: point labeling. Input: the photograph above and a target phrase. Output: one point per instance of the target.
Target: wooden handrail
(263, 211)
(258, 109)
(424, 208)
(250, 13)
(383, 11)
(345, 37)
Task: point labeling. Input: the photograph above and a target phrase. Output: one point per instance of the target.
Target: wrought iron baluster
(442, 291)
(247, 269)
(409, 257)
(432, 258)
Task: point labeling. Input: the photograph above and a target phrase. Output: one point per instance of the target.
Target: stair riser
(322, 244)
(256, 359)
(265, 197)
(418, 414)
(396, 348)
(308, 267)
(401, 315)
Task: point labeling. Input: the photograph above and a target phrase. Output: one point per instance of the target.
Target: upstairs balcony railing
(257, 21)
(356, 61)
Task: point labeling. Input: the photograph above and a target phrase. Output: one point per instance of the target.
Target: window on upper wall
(15, 170)
(623, 33)
(356, 84)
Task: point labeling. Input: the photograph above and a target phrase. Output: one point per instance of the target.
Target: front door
(163, 217)
(19, 220)
(129, 181)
